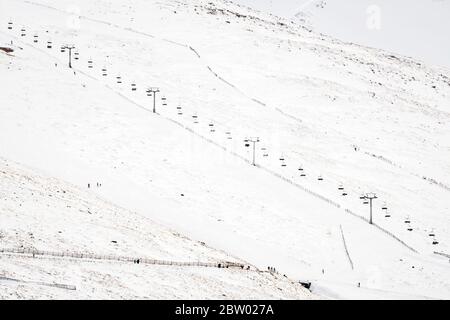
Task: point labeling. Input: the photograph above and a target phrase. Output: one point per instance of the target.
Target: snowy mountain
(417, 29)
(334, 120)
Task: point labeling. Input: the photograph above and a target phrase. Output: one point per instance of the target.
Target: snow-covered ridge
(44, 215)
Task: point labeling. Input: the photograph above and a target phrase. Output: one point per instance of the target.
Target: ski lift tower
(252, 140)
(370, 196)
(69, 48)
(153, 91)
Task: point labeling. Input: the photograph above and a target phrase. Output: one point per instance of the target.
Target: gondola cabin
(35, 38)
(10, 24)
(49, 45)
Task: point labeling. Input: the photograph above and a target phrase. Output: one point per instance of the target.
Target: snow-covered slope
(43, 214)
(414, 28)
(355, 116)
(417, 29)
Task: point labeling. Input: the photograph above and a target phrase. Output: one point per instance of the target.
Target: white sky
(416, 28)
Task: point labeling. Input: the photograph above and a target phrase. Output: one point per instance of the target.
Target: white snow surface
(367, 119)
(45, 214)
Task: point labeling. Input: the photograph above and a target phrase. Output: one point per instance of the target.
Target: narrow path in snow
(345, 247)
